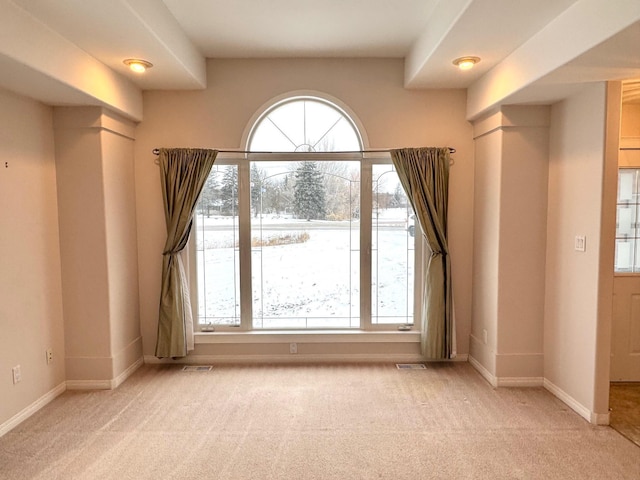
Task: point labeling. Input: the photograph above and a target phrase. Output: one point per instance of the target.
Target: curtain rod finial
(156, 151)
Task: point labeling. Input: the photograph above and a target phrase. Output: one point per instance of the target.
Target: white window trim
(307, 336)
(246, 291)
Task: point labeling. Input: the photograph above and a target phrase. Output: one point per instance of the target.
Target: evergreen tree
(229, 191)
(309, 192)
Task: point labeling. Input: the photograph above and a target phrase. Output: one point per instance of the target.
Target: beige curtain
(183, 172)
(424, 174)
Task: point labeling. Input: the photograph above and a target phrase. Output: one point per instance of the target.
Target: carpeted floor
(313, 422)
(624, 401)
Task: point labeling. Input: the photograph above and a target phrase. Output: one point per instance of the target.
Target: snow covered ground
(314, 284)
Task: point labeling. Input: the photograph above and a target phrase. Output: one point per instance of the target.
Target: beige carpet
(313, 422)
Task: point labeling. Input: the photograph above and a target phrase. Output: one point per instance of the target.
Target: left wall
(31, 319)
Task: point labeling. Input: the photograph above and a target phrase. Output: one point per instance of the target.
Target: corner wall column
(96, 198)
(510, 202)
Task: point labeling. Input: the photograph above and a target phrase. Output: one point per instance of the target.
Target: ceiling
(177, 36)
(294, 28)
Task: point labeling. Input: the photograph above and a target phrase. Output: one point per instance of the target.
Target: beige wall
(574, 296)
(523, 245)
(509, 242)
(83, 247)
(217, 117)
(69, 280)
(94, 161)
(545, 175)
(484, 333)
(30, 287)
(122, 248)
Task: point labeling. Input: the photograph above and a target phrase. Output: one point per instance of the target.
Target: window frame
(243, 163)
(367, 160)
(267, 109)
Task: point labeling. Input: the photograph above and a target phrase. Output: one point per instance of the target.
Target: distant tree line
(310, 191)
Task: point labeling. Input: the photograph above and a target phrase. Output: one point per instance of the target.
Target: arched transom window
(305, 124)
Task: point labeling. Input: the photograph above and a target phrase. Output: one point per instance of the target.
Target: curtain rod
(630, 148)
(156, 151)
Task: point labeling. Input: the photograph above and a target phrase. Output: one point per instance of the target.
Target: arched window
(306, 232)
(305, 124)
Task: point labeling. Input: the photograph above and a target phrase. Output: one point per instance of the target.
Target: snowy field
(314, 284)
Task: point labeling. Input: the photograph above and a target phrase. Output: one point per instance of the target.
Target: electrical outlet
(17, 374)
(49, 354)
(293, 348)
(485, 336)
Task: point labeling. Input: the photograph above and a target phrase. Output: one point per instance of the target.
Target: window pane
(393, 250)
(304, 125)
(624, 256)
(626, 184)
(305, 244)
(627, 257)
(626, 221)
(217, 249)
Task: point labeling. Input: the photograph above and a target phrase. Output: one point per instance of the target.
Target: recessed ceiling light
(465, 63)
(137, 65)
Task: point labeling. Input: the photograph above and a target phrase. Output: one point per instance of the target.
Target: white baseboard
(576, 406)
(31, 409)
(486, 374)
(116, 382)
(584, 412)
(600, 418)
(505, 381)
(296, 358)
(105, 384)
(60, 389)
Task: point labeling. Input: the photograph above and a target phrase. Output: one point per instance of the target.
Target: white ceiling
(178, 35)
(294, 28)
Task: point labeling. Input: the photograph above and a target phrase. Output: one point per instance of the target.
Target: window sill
(312, 336)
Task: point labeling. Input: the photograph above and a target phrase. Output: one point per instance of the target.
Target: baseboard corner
(486, 374)
(119, 380)
(602, 419)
